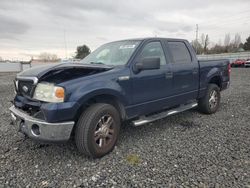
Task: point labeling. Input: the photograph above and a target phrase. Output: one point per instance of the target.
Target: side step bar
(154, 117)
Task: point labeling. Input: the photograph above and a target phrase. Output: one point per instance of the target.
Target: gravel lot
(185, 150)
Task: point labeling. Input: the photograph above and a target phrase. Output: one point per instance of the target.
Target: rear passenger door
(185, 71)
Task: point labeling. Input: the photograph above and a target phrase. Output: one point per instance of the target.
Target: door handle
(168, 75)
(195, 71)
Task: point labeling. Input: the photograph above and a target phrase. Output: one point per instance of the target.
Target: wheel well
(109, 99)
(216, 80)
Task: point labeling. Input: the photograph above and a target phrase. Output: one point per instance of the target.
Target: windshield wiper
(100, 63)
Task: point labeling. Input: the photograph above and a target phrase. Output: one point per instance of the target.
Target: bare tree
(227, 39)
(203, 40)
(219, 42)
(206, 43)
(237, 40)
(197, 46)
(45, 56)
(227, 42)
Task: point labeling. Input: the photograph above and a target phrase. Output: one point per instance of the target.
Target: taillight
(229, 69)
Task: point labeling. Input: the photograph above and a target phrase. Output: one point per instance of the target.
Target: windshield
(114, 53)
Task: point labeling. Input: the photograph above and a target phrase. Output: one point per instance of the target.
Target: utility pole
(196, 40)
(65, 44)
(197, 29)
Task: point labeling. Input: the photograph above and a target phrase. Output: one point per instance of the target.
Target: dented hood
(64, 71)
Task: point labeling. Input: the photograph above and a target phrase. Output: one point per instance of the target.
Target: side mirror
(148, 64)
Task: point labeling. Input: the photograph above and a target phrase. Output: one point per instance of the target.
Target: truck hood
(63, 72)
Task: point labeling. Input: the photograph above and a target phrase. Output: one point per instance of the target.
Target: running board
(148, 119)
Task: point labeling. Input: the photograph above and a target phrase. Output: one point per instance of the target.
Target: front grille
(25, 87)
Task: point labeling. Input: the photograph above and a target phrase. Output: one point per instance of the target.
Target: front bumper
(38, 129)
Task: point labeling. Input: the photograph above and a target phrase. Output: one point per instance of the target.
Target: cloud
(31, 26)
(10, 27)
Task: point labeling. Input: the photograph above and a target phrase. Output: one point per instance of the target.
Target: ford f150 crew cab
(136, 80)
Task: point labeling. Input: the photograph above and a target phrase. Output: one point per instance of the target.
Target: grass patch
(133, 159)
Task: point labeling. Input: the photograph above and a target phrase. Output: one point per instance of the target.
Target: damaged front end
(41, 120)
(39, 129)
(70, 72)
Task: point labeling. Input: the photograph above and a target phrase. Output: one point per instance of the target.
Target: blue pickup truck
(136, 80)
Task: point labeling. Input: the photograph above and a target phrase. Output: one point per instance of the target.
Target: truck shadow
(180, 122)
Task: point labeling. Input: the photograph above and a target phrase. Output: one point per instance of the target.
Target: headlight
(49, 93)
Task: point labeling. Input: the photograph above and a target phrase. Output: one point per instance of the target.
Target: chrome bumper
(40, 130)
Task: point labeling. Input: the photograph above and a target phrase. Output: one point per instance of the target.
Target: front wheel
(97, 130)
(210, 103)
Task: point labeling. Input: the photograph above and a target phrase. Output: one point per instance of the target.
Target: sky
(29, 27)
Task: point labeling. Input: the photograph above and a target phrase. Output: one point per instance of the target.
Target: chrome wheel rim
(213, 99)
(104, 131)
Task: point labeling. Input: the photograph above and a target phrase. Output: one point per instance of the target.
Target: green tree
(241, 45)
(82, 51)
(247, 44)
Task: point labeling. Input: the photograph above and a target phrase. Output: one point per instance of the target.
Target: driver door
(151, 88)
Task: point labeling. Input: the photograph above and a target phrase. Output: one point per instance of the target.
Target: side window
(153, 49)
(179, 52)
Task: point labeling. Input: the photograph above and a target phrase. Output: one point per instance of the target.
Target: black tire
(92, 136)
(209, 104)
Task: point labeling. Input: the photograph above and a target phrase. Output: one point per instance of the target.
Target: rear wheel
(210, 102)
(97, 130)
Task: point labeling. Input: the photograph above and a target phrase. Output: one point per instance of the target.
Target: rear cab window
(180, 52)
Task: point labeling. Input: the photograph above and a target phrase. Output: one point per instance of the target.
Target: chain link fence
(231, 56)
(20, 66)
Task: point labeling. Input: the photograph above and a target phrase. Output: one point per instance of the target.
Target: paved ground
(185, 150)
